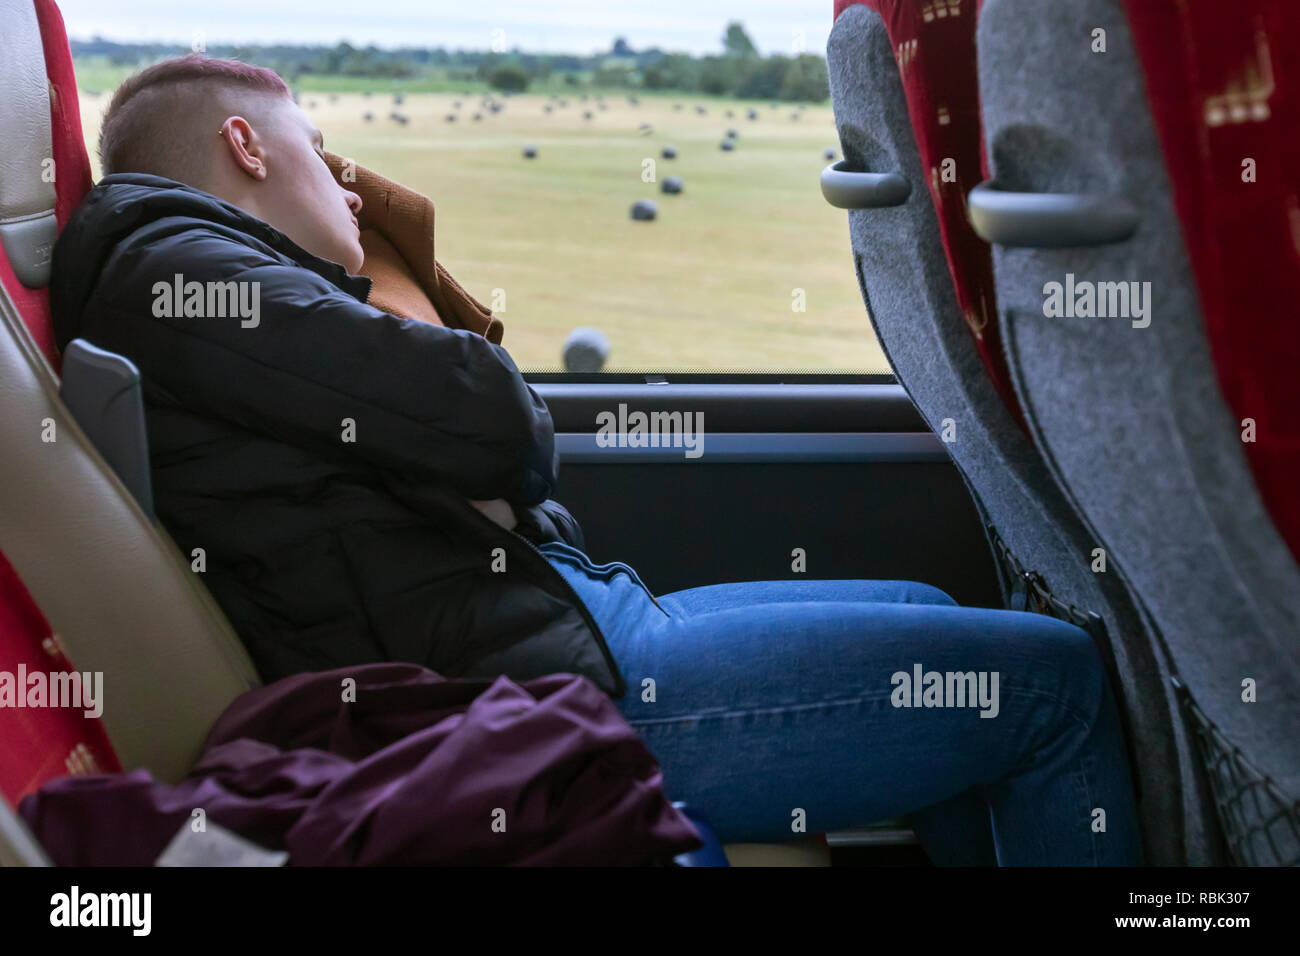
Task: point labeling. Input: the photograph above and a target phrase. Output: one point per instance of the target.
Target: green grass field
(709, 285)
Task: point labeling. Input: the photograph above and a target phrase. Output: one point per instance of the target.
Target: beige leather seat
(117, 592)
(119, 595)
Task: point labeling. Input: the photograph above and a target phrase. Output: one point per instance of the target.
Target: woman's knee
(1082, 678)
(917, 593)
(1054, 663)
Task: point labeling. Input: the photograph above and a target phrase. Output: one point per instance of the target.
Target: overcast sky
(563, 26)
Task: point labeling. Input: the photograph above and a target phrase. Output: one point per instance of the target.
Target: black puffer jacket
(324, 551)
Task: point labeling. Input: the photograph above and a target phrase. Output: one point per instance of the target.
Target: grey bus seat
(1127, 408)
(1046, 552)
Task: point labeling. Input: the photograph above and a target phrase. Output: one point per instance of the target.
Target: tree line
(738, 70)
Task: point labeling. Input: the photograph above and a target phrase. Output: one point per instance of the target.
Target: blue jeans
(777, 708)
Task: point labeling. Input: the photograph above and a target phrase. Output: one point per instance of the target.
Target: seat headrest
(28, 226)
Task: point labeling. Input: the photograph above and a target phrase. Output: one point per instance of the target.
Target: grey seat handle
(846, 189)
(102, 391)
(1049, 220)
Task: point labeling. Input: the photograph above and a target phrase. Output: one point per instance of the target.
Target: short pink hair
(143, 127)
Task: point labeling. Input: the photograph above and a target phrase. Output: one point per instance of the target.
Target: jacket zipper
(620, 685)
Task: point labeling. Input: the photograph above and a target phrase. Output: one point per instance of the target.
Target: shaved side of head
(234, 131)
(160, 120)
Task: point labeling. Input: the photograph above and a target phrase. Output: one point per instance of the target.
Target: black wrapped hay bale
(644, 210)
(530, 152)
(829, 153)
(672, 185)
(670, 152)
(585, 350)
(727, 145)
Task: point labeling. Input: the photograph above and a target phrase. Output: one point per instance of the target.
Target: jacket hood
(123, 207)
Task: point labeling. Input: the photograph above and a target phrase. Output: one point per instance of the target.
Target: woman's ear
(242, 146)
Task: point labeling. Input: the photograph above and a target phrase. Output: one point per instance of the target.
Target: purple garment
(410, 773)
